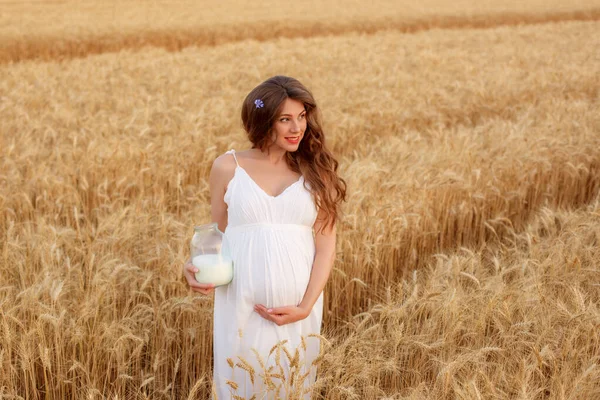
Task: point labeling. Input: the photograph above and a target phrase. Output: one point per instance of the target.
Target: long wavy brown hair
(312, 159)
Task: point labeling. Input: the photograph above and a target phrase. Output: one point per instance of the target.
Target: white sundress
(271, 242)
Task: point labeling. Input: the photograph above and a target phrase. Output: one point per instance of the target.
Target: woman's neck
(274, 155)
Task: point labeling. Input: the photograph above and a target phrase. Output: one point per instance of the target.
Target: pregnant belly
(272, 267)
(274, 278)
(278, 285)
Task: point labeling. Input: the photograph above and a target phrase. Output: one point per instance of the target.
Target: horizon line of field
(53, 48)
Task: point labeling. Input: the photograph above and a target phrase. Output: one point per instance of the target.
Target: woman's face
(290, 125)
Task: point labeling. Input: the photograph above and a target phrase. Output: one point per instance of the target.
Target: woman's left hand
(281, 315)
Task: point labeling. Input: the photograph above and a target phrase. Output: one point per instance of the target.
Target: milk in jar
(213, 268)
(214, 265)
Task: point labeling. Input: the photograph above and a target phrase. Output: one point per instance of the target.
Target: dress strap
(232, 152)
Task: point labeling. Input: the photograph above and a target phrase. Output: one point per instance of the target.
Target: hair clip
(259, 103)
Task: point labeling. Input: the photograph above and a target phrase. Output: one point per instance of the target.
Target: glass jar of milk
(213, 265)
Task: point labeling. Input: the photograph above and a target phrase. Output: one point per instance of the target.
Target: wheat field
(469, 134)
(63, 29)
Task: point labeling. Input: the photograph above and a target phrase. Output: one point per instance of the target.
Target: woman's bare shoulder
(223, 168)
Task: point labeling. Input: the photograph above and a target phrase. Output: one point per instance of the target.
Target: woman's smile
(293, 139)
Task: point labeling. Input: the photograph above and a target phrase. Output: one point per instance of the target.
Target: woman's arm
(322, 265)
(220, 173)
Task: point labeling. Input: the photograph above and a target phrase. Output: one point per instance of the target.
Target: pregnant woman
(277, 204)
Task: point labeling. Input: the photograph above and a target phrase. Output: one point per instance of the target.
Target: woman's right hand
(189, 272)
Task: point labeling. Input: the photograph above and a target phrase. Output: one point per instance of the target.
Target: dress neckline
(262, 190)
